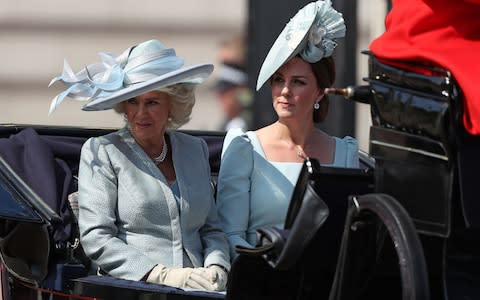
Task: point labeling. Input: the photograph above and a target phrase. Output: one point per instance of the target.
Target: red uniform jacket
(444, 33)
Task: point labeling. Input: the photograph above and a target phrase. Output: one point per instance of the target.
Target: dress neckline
(258, 146)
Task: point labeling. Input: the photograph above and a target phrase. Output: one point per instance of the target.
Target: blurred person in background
(231, 85)
(234, 95)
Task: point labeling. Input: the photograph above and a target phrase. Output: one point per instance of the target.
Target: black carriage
(426, 160)
(403, 226)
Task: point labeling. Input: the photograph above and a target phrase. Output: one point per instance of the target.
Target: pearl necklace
(159, 159)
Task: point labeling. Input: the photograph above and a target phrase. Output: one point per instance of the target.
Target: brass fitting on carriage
(361, 93)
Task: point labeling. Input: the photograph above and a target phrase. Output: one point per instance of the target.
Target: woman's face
(147, 115)
(295, 90)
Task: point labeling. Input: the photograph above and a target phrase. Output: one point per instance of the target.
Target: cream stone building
(36, 37)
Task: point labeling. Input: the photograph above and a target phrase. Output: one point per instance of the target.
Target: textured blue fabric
(129, 219)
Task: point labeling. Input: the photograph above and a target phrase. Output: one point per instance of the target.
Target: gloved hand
(193, 278)
(220, 277)
(215, 274)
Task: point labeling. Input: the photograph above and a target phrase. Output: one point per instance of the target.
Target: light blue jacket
(128, 217)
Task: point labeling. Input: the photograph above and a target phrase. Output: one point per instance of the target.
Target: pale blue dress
(254, 192)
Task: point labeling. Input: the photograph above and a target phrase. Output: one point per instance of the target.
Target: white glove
(181, 277)
(215, 275)
(220, 277)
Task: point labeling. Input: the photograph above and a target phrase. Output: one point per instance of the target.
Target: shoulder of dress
(349, 141)
(238, 135)
(348, 146)
(97, 140)
(234, 132)
(113, 139)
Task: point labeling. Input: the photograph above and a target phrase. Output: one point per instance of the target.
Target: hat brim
(195, 74)
(287, 46)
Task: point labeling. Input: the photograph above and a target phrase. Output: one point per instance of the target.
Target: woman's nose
(142, 109)
(285, 89)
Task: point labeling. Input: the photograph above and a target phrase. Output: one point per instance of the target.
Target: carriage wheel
(377, 214)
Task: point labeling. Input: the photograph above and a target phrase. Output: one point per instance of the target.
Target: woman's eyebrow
(293, 76)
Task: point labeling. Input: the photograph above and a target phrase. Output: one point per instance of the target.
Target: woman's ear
(320, 95)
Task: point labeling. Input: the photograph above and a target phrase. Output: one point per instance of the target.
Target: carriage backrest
(415, 140)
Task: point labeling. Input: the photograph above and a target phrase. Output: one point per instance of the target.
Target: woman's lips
(142, 125)
(284, 104)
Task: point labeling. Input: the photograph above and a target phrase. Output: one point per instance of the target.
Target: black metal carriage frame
(406, 227)
(426, 161)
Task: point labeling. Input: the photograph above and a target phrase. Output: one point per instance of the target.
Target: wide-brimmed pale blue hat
(139, 69)
(311, 33)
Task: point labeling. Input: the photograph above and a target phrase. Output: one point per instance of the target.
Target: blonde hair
(182, 101)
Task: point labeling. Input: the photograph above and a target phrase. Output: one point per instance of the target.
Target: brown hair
(324, 71)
